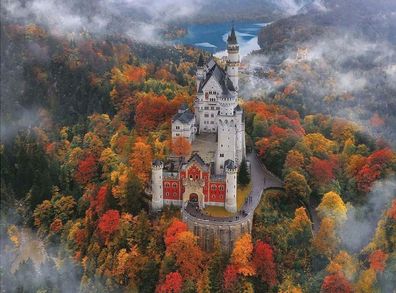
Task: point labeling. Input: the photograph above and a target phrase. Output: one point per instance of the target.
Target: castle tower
(233, 58)
(240, 133)
(231, 187)
(200, 75)
(157, 201)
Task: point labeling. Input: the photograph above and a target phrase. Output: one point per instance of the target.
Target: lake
(213, 37)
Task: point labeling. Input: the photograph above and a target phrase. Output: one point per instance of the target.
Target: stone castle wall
(227, 232)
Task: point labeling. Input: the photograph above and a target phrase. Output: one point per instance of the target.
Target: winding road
(261, 179)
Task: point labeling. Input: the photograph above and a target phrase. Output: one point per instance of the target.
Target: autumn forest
(83, 117)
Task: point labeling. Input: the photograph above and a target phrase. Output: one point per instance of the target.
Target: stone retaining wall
(226, 232)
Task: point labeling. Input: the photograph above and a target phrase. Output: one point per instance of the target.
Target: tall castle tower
(233, 58)
(231, 187)
(156, 185)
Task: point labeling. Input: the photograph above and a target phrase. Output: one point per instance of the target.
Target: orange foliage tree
(181, 146)
(189, 257)
(151, 111)
(242, 254)
(141, 159)
(174, 229)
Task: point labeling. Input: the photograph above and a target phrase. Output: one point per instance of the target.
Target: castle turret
(157, 201)
(231, 187)
(200, 75)
(233, 58)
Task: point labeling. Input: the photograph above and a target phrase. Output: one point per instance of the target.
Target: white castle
(216, 110)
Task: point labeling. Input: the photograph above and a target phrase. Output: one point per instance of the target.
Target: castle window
(221, 155)
(177, 134)
(177, 127)
(196, 176)
(221, 187)
(174, 185)
(213, 187)
(167, 184)
(206, 115)
(174, 194)
(167, 194)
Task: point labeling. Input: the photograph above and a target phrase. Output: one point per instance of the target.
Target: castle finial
(232, 37)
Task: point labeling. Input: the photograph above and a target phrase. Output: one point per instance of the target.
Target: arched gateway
(193, 192)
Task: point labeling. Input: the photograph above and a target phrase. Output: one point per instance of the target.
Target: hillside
(338, 60)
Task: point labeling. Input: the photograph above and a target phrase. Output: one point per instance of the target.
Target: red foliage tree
(380, 157)
(109, 223)
(80, 236)
(98, 204)
(230, 276)
(321, 170)
(172, 284)
(86, 170)
(377, 260)
(173, 230)
(56, 225)
(367, 176)
(336, 283)
(263, 260)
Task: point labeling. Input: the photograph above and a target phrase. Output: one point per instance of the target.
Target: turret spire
(200, 60)
(232, 37)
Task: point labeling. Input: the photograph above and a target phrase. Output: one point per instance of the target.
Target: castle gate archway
(193, 192)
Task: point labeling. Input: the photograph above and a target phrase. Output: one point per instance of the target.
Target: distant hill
(375, 20)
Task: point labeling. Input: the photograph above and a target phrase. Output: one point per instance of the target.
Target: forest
(78, 138)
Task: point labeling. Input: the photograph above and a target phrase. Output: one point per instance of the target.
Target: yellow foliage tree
(366, 281)
(318, 145)
(345, 263)
(332, 206)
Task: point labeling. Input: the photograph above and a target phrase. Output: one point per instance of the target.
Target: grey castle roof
(215, 71)
(229, 164)
(184, 117)
(238, 108)
(157, 162)
(196, 157)
(183, 107)
(232, 37)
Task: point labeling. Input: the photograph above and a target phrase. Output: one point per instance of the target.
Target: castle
(216, 113)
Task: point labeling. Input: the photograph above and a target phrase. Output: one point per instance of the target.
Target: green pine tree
(243, 174)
